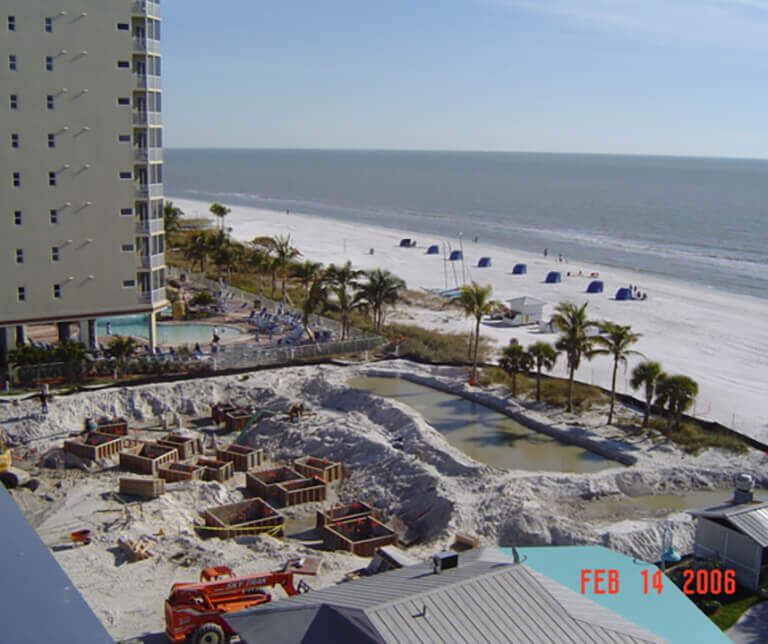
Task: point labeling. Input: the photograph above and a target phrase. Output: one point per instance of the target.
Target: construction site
(281, 481)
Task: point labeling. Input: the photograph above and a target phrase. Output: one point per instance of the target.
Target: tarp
(433, 250)
(595, 286)
(456, 254)
(484, 262)
(623, 294)
(553, 277)
(405, 243)
(520, 269)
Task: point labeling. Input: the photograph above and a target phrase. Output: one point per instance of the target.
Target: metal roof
(38, 602)
(487, 598)
(752, 520)
(526, 301)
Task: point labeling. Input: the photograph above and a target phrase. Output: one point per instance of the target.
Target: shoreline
(711, 335)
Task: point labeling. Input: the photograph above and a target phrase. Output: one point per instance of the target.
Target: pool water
(172, 334)
(483, 434)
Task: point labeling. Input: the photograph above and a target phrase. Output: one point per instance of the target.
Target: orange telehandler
(193, 611)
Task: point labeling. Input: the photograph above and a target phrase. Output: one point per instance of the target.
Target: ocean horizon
(695, 219)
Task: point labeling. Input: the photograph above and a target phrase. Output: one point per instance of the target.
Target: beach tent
(520, 269)
(524, 310)
(433, 250)
(553, 277)
(484, 262)
(595, 286)
(456, 255)
(405, 243)
(623, 294)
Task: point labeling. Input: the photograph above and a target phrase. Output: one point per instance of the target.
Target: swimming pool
(483, 434)
(173, 334)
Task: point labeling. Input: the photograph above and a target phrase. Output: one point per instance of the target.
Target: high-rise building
(81, 170)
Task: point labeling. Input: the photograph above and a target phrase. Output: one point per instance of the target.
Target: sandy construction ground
(719, 339)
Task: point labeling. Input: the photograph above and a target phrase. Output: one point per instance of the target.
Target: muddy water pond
(483, 434)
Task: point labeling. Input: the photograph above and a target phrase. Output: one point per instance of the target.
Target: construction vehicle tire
(209, 633)
(32, 484)
(13, 478)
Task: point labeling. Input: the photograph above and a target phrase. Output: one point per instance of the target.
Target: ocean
(698, 220)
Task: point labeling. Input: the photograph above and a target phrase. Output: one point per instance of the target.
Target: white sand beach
(719, 339)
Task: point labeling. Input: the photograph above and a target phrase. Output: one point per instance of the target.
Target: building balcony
(146, 46)
(152, 261)
(156, 296)
(146, 81)
(154, 155)
(150, 227)
(146, 8)
(147, 118)
(149, 190)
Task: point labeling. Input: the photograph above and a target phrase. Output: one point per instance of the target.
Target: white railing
(147, 118)
(145, 81)
(152, 261)
(146, 45)
(146, 8)
(148, 154)
(153, 297)
(149, 227)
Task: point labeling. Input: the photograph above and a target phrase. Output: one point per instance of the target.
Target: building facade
(81, 174)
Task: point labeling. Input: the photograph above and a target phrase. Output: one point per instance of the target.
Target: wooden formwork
(219, 409)
(146, 488)
(95, 445)
(116, 426)
(254, 516)
(358, 536)
(214, 470)
(327, 470)
(146, 458)
(242, 457)
(265, 483)
(302, 491)
(186, 445)
(235, 420)
(347, 512)
(180, 472)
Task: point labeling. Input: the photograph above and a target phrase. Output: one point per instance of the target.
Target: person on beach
(44, 399)
(216, 337)
(109, 328)
(546, 252)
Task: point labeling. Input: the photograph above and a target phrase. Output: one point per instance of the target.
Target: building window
(126, 211)
(11, 23)
(14, 102)
(127, 248)
(51, 140)
(54, 215)
(49, 25)
(16, 179)
(14, 140)
(57, 291)
(126, 175)
(129, 283)
(51, 178)
(55, 254)
(124, 64)
(12, 62)
(50, 101)
(49, 63)
(19, 255)
(123, 101)
(17, 217)
(21, 294)
(123, 26)
(124, 138)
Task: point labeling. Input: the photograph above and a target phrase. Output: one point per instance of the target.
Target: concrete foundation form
(265, 483)
(180, 472)
(219, 409)
(338, 513)
(358, 536)
(187, 447)
(254, 516)
(302, 491)
(116, 426)
(145, 488)
(242, 457)
(214, 470)
(327, 470)
(146, 458)
(95, 446)
(235, 420)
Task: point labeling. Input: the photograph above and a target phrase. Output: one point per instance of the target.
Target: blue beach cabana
(456, 255)
(520, 269)
(623, 294)
(433, 250)
(484, 262)
(406, 243)
(553, 277)
(595, 286)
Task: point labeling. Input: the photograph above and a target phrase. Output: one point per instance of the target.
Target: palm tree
(308, 272)
(259, 261)
(221, 212)
(615, 342)
(678, 394)
(121, 348)
(572, 322)
(343, 278)
(284, 253)
(171, 216)
(476, 302)
(196, 250)
(229, 256)
(544, 356)
(648, 374)
(515, 360)
(382, 288)
(316, 297)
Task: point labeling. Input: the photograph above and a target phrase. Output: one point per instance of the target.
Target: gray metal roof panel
(754, 524)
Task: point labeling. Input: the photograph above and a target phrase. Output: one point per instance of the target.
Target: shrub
(424, 345)
(204, 298)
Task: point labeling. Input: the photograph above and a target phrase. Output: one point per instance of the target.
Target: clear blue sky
(687, 77)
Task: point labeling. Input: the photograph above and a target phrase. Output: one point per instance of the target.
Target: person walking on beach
(44, 395)
(546, 252)
(109, 328)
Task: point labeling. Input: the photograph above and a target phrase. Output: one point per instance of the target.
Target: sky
(670, 77)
